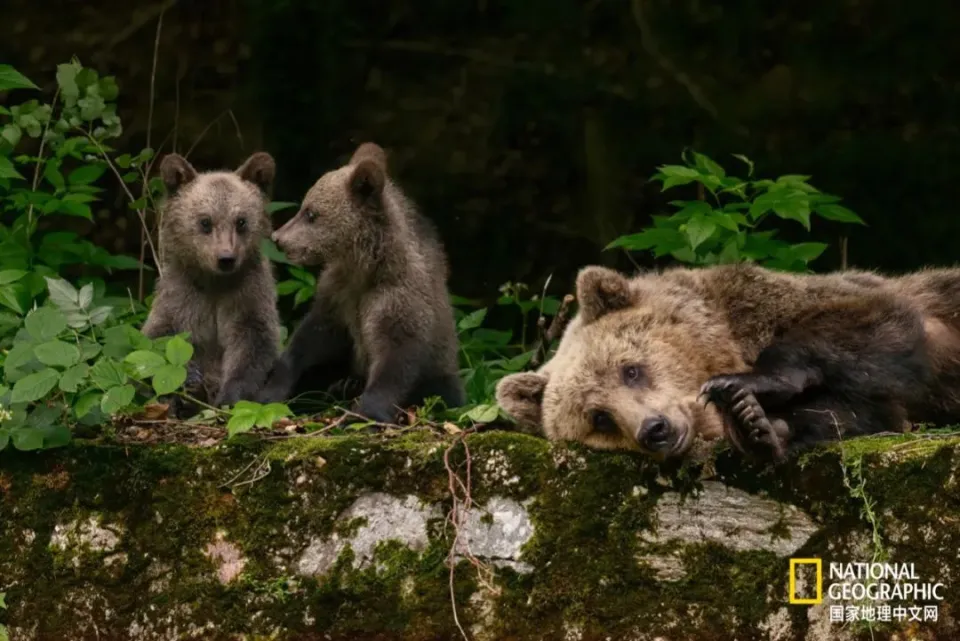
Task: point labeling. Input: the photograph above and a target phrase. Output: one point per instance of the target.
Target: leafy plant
(3, 605)
(727, 227)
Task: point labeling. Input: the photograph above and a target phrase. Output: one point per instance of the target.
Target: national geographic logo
(805, 564)
(866, 591)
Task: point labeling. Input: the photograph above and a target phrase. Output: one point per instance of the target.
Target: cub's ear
(370, 151)
(601, 291)
(521, 396)
(176, 172)
(259, 169)
(366, 182)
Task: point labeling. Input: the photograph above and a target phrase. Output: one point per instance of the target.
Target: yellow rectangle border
(793, 581)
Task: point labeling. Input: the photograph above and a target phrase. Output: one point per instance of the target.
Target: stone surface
(99, 542)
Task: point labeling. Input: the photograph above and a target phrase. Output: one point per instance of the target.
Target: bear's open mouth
(684, 441)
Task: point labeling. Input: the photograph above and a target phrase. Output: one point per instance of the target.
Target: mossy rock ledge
(348, 538)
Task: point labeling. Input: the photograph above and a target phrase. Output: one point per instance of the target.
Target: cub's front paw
(745, 422)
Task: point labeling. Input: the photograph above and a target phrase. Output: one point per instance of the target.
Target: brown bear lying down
(772, 361)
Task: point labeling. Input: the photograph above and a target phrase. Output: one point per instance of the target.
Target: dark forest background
(527, 130)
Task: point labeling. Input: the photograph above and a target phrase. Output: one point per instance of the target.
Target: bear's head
(343, 213)
(627, 372)
(214, 221)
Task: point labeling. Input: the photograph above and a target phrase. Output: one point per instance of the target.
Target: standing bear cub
(381, 311)
(772, 361)
(216, 284)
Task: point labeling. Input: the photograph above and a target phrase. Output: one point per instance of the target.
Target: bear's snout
(654, 433)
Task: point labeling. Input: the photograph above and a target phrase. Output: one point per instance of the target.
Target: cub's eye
(632, 375)
(602, 422)
(311, 215)
(241, 224)
(206, 225)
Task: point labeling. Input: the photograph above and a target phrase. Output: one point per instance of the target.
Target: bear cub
(215, 282)
(382, 311)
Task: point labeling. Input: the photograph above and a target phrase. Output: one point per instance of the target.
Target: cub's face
(628, 374)
(341, 212)
(215, 220)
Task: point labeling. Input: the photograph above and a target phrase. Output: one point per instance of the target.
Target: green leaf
(303, 295)
(271, 413)
(699, 230)
(12, 134)
(27, 439)
(675, 175)
(271, 251)
(179, 351)
(145, 363)
(241, 422)
(54, 435)
(708, 166)
(45, 323)
(482, 414)
(57, 353)
(274, 207)
(107, 373)
(169, 378)
(287, 287)
(86, 174)
(7, 170)
(839, 213)
(34, 386)
(71, 379)
(116, 398)
(63, 294)
(794, 209)
(472, 320)
(650, 238)
(15, 297)
(10, 78)
(51, 172)
(8, 276)
(86, 403)
(4, 441)
(804, 252)
(67, 81)
(747, 161)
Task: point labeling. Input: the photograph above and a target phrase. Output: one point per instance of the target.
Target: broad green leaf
(649, 239)
(274, 207)
(518, 362)
(116, 398)
(8, 276)
(482, 414)
(27, 439)
(794, 209)
(86, 174)
(54, 435)
(34, 386)
(85, 297)
(63, 294)
(804, 252)
(4, 441)
(57, 353)
(287, 287)
(271, 413)
(708, 166)
(472, 320)
(699, 230)
(7, 170)
(839, 213)
(107, 373)
(51, 172)
(169, 378)
(145, 363)
(15, 297)
(45, 323)
(99, 315)
(179, 351)
(67, 81)
(71, 379)
(241, 422)
(86, 403)
(10, 78)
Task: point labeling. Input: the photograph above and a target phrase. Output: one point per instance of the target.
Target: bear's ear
(259, 169)
(370, 151)
(366, 182)
(521, 396)
(600, 291)
(176, 172)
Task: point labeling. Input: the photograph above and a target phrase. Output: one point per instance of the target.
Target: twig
(135, 25)
(454, 517)
(843, 252)
(553, 332)
(649, 43)
(36, 168)
(145, 188)
(228, 112)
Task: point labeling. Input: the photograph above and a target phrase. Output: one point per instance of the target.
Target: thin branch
(144, 230)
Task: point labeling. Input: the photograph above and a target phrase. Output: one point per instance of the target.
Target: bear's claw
(745, 418)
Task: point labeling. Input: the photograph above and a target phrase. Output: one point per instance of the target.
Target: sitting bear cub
(772, 361)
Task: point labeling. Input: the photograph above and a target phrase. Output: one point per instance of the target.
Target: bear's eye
(206, 225)
(311, 215)
(632, 375)
(602, 422)
(241, 224)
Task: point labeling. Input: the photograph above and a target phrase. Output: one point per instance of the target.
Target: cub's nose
(654, 432)
(276, 240)
(226, 262)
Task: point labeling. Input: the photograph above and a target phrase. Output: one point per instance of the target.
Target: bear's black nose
(226, 262)
(654, 432)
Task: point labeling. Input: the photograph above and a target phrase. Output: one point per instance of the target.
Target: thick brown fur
(788, 360)
(216, 284)
(381, 305)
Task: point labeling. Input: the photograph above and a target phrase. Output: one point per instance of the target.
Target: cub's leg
(848, 357)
